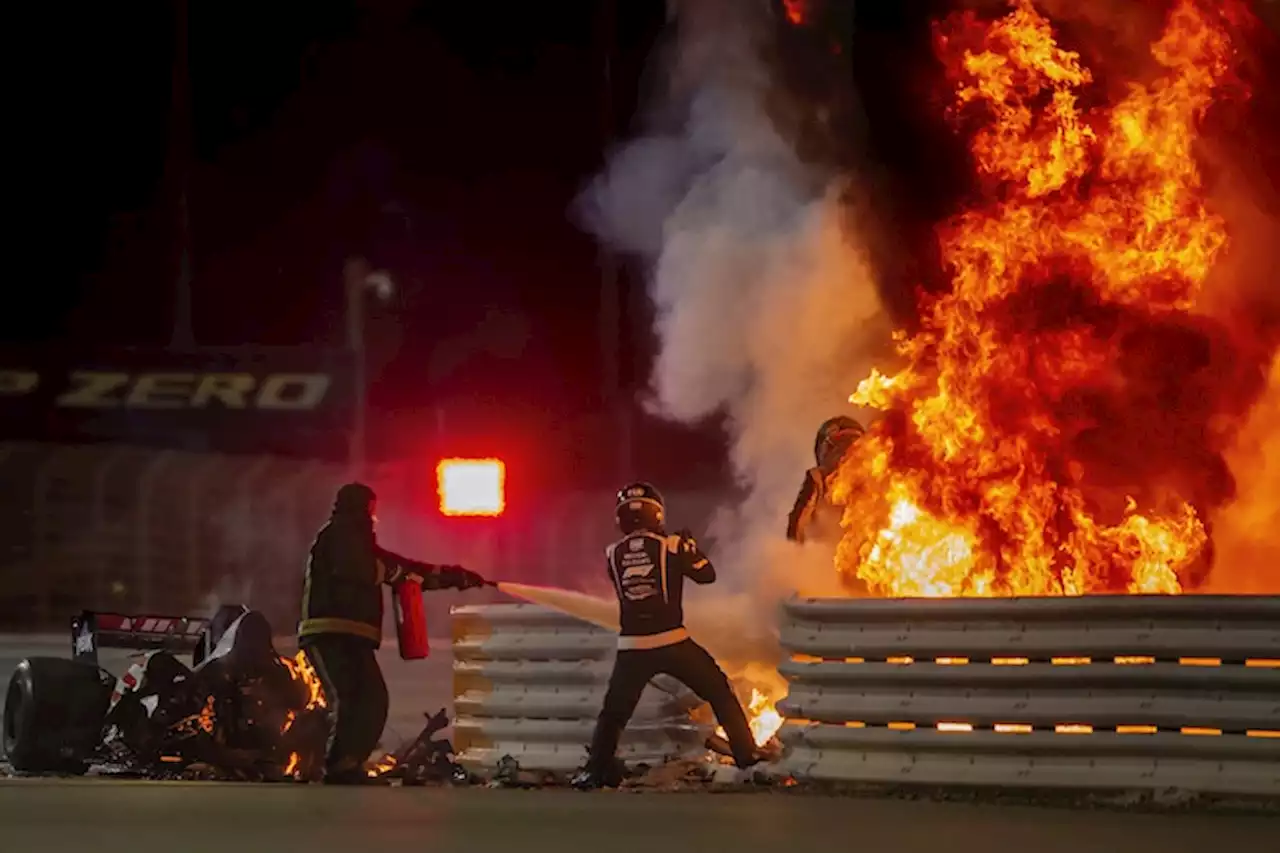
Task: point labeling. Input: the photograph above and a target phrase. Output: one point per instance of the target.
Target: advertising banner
(251, 400)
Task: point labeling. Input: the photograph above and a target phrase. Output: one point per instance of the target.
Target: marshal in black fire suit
(813, 517)
(341, 625)
(648, 568)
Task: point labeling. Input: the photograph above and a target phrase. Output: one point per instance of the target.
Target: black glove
(460, 578)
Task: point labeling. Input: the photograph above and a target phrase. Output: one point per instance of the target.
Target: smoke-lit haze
(766, 304)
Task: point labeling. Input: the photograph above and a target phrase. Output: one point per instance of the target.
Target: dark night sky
(443, 140)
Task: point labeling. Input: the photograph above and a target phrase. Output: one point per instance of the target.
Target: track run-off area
(110, 816)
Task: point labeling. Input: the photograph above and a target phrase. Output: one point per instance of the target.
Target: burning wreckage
(240, 711)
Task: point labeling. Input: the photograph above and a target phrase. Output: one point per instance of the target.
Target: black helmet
(834, 438)
(639, 507)
(354, 499)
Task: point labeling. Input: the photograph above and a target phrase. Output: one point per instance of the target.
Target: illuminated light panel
(1262, 733)
(902, 727)
(951, 661)
(1134, 659)
(855, 660)
(1136, 730)
(1262, 662)
(1073, 729)
(802, 658)
(1009, 661)
(1013, 728)
(1200, 661)
(854, 724)
(900, 660)
(470, 487)
(955, 727)
(1070, 661)
(1199, 730)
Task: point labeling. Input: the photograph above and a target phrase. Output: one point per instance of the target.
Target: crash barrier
(1133, 692)
(528, 682)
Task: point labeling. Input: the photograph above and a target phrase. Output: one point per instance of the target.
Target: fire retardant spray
(411, 620)
(597, 611)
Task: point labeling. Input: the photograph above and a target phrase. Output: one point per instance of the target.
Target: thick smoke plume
(766, 306)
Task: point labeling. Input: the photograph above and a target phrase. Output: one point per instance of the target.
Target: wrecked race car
(239, 711)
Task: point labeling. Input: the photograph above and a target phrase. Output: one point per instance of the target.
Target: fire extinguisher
(411, 621)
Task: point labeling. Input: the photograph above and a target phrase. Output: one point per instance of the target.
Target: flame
(206, 717)
(203, 720)
(300, 669)
(1090, 230)
(385, 764)
(292, 765)
(762, 716)
(795, 10)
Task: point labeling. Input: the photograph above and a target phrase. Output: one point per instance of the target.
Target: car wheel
(53, 714)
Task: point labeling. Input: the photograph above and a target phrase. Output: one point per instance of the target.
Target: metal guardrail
(1143, 692)
(529, 683)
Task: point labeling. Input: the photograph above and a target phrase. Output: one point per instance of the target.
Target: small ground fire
(1053, 430)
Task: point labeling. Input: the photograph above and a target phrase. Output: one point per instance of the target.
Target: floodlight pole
(358, 279)
(179, 159)
(355, 343)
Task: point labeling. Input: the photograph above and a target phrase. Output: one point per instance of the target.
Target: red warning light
(471, 486)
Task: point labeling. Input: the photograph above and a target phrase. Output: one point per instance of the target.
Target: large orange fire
(1046, 435)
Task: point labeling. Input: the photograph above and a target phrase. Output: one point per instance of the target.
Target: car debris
(239, 710)
(424, 760)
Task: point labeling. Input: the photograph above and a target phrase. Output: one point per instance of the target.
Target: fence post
(98, 516)
(142, 529)
(244, 520)
(195, 523)
(41, 522)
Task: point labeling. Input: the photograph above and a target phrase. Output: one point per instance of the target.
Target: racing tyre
(53, 713)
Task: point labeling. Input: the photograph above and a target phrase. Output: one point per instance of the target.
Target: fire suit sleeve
(693, 563)
(393, 568)
(802, 511)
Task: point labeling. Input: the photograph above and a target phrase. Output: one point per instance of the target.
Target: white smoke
(766, 305)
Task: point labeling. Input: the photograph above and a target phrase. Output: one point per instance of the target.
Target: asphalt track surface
(107, 816)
